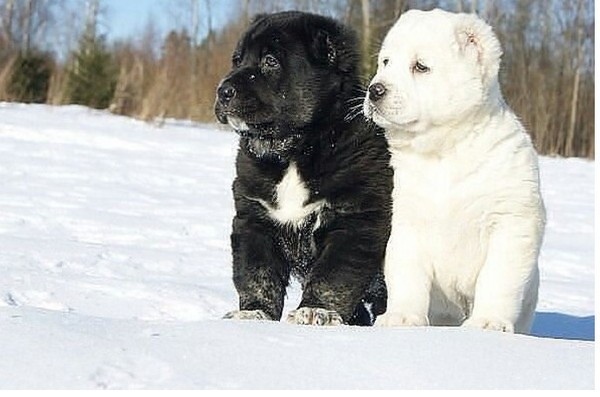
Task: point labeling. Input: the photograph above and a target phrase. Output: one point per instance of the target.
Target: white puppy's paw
(493, 324)
(394, 319)
(314, 316)
(246, 315)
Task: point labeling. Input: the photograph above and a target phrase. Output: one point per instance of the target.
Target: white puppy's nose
(376, 91)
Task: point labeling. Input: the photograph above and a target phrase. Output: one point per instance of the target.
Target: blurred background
(156, 59)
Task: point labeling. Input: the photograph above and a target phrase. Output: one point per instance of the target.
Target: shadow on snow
(563, 326)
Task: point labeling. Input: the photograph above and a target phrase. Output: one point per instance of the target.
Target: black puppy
(313, 186)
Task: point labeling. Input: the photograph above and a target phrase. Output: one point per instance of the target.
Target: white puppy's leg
(407, 281)
(506, 289)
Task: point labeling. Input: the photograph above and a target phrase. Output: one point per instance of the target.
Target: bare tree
(27, 24)
(366, 35)
(569, 149)
(7, 22)
(473, 6)
(92, 10)
(547, 71)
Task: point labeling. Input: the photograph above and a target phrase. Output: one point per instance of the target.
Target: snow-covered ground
(115, 271)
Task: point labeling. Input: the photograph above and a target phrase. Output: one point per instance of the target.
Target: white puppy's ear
(478, 42)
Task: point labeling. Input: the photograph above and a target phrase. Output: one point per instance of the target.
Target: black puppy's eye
(419, 67)
(270, 61)
(236, 60)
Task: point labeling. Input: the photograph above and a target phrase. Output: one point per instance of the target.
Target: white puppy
(468, 218)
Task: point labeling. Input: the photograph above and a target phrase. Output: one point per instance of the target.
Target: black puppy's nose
(376, 91)
(226, 93)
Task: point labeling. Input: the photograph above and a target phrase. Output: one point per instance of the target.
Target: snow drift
(115, 262)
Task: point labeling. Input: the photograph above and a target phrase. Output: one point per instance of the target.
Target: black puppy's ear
(257, 18)
(323, 48)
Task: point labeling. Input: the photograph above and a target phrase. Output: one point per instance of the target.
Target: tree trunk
(195, 22)
(7, 21)
(92, 18)
(27, 26)
(569, 144)
(245, 14)
(473, 6)
(366, 36)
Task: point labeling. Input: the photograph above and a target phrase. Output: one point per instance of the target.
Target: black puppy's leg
(373, 303)
(259, 273)
(350, 253)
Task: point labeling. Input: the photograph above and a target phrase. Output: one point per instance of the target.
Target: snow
(116, 270)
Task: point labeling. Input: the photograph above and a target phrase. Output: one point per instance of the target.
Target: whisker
(354, 100)
(358, 106)
(353, 112)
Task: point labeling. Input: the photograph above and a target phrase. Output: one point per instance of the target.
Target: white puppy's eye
(419, 67)
(385, 61)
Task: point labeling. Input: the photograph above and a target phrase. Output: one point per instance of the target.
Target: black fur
(298, 107)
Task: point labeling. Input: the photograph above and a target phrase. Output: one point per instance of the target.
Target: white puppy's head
(435, 68)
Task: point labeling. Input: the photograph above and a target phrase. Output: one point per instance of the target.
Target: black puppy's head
(290, 71)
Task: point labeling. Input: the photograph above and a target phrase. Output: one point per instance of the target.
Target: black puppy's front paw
(314, 316)
(246, 315)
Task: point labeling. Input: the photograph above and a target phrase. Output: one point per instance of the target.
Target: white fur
(237, 124)
(468, 218)
(291, 196)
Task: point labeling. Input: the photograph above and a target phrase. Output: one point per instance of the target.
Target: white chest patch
(291, 195)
